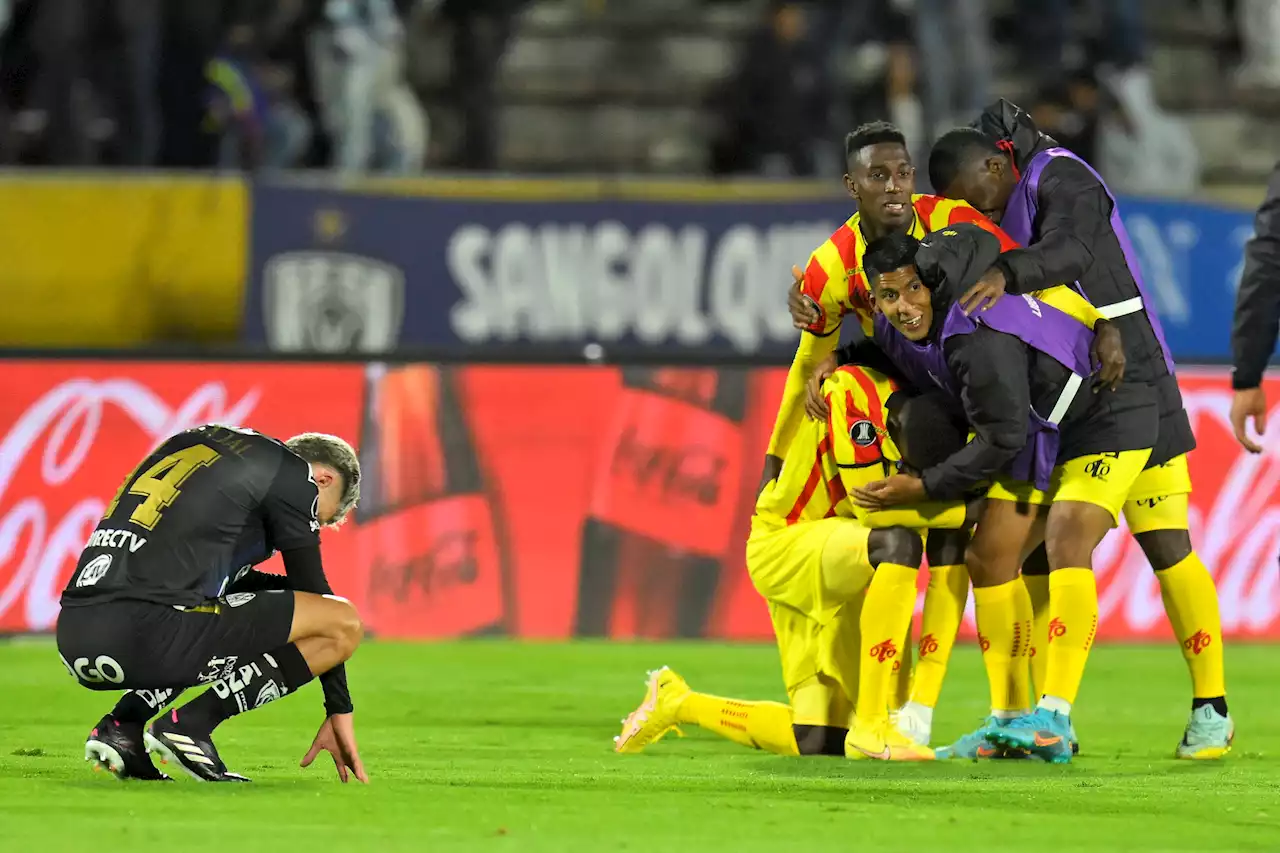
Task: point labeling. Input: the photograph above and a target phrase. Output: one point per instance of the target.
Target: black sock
(138, 706)
(1219, 704)
(253, 683)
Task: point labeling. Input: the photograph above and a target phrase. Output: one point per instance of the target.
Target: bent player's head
(880, 177)
(336, 470)
(926, 428)
(967, 164)
(890, 266)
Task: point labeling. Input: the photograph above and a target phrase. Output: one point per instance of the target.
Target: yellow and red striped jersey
(849, 450)
(833, 278)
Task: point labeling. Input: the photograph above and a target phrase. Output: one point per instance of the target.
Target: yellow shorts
(816, 627)
(1159, 498)
(1101, 479)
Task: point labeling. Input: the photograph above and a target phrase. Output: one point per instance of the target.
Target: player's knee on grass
(946, 547)
(1037, 562)
(895, 545)
(819, 740)
(1165, 548)
(1072, 531)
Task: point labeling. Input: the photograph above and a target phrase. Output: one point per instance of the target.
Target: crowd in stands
(287, 84)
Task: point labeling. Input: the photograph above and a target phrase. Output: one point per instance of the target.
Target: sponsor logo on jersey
(236, 599)
(116, 539)
(94, 570)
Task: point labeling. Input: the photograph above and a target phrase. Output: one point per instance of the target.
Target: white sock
(923, 713)
(1009, 715)
(1056, 704)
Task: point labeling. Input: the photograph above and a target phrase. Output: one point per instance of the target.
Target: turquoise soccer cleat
(974, 745)
(1043, 734)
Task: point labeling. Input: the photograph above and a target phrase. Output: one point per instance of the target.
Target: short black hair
(888, 253)
(928, 428)
(956, 149)
(871, 133)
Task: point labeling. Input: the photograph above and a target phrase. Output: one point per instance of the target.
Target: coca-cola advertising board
(536, 501)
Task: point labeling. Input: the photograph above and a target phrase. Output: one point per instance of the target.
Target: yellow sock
(886, 616)
(944, 603)
(1038, 589)
(998, 637)
(1024, 634)
(902, 671)
(1073, 622)
(1191, 600)
(759, 725)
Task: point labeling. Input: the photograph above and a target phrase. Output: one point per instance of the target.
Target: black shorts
(122, 645)
(1176, 436)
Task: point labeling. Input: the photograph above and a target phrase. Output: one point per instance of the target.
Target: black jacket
(1073, 241)
(1000, 379)
(1253, 337)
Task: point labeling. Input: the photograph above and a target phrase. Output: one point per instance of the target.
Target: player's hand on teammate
(1245, 404)
(804, 312)
(814, 405)
(1108, 354)
(892, 491)
(772, 468)
(337, 736)
(984, 292)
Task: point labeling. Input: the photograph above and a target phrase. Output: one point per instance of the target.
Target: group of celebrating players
(1008, 395)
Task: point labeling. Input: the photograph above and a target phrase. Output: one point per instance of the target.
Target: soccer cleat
(118, 747)
(883, 742)
(1043, 734)
(1209, 735)
(193, 752)
(656, 715)
(975, 745)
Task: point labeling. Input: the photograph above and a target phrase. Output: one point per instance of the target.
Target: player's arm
(1075, 215)
(809, 352)
(820, 288)
(990, 368)
(293, 529)
(1257, 317)
(256, 581)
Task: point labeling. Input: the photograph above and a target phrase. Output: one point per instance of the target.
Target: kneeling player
(811, 554)
(1019, 368)
(153, 604)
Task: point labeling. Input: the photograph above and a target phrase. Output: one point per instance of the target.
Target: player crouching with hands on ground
(840, 582)
(1061, 459)
(164, 598)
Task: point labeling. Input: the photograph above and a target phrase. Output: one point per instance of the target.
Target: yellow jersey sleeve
(811, 350)
(1069, 301)
(833, 281)
(937, 515)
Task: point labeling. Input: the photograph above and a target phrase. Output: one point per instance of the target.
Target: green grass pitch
(498, 746)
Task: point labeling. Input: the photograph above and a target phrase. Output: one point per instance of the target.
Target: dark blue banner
(337, 271)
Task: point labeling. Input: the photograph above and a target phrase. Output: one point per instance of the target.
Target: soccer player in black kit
(164, 598)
